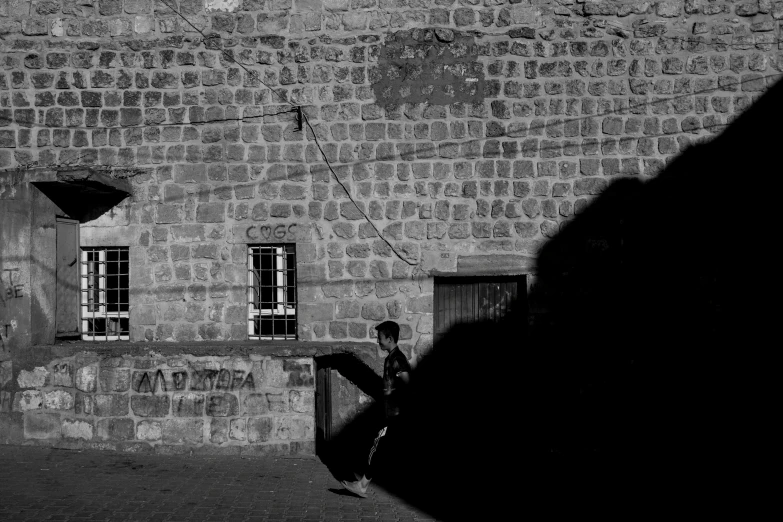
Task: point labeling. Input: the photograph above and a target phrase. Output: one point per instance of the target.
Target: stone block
(143, 315)
(259, 429)
(190, 233)
(87, 379)
(302, 401)
(150, 405)
(183, 431)
(115, 429)
(58, 400)
(6, 372)
(425, 324)
(311, 272)
(238, 429)
(83, 404)
(277, 401)
(222, 405)
(35, 378)
(115, 379)
(338, 329)
(218, 431)
(312, 312)
(61, 375)
(255, 404)
(110, 405)
(348, 309)
(211, 212)
(303, 447)
(357, 330)
(149, 430)
(77, 429)
(28, 400)
(188, 405)
(42, 426)
(338, 289)
(373, 311)
(294, 428)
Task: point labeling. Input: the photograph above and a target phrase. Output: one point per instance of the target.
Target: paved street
(49, 484)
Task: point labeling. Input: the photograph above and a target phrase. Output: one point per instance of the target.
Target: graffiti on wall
(196, 380)
(10, 290)
(281, 232)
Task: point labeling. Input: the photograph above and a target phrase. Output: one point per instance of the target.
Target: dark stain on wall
(437, 66)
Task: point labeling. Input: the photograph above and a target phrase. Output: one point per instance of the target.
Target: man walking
(396, 376)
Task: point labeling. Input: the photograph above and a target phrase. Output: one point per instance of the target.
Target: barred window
(105, 295)
(271, 281)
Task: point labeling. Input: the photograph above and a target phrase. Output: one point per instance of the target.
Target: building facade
(244, 185)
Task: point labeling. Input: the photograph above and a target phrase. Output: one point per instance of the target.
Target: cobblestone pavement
(49, 484)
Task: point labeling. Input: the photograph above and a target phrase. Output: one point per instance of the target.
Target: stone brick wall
(249, 405)
(462, 128)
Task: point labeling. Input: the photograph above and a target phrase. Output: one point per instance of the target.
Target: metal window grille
(271, 298)
(104, 294)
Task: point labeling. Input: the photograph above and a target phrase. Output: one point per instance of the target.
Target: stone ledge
(201, 349)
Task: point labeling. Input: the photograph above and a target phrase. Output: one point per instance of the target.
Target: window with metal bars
(104, 293)
(271, 293)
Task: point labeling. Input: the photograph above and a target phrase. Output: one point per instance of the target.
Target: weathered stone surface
(42, 426)
(373, 311)
(28, 400)
(238, 429)
(110, 405)
(338, 289)
(222, 405)
(259, 429)
(58, 400)
(115, 429)
(309, 312)
(61, 375)
(6, 372)
(183, 431)
(149, 430)
(218, 431)
(294, 428)
(255, 404)
(114, 379)
(35, 378)
(150, 405)
(87, 379)
(302, 401)
(494, 264)
(419, 305)
(188, 404)
(77, 429)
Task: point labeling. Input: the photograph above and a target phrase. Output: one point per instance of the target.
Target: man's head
(388, 334)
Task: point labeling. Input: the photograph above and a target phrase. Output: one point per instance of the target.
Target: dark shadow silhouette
(85, 201)
(642, 390)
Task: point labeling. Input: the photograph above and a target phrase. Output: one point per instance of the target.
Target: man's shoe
(355, 488)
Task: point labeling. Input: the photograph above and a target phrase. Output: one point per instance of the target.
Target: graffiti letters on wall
(281, 232)
(10, 290)
(196, 380)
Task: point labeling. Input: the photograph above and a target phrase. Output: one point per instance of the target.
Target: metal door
(460, 300)
(67, 285)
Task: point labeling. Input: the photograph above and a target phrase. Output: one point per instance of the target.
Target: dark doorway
(323, 404)
(460, 300)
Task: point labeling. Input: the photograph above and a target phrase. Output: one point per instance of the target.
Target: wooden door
(67, 284)
(323, 405)
(460, 300)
